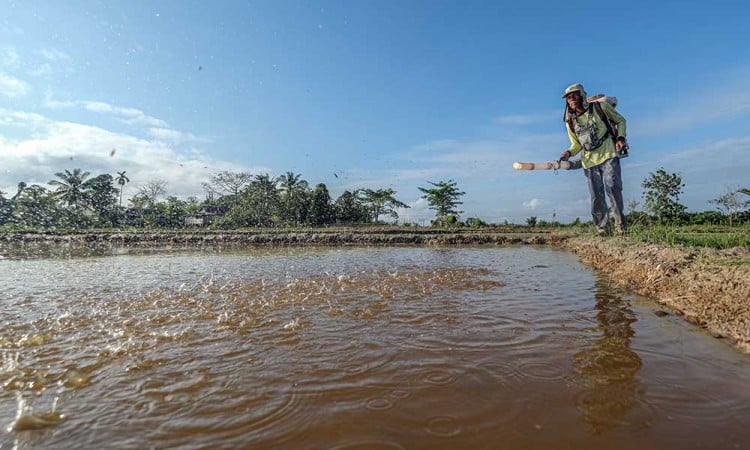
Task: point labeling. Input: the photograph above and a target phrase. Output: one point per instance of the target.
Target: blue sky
(373, 94)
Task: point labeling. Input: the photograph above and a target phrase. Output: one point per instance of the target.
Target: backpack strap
(568, 117)
(607, 123)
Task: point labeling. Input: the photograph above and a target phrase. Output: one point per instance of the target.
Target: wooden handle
(565, 165)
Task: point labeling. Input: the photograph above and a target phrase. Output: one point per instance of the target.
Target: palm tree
(121, 180)
(294, 197)
(71, 186)
(289, 182)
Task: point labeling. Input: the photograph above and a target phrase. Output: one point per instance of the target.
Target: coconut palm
(71, 187)
(293, 197)
(289, 182)
(121, 180)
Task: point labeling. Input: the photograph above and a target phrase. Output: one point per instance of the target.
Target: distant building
(205, 216)
(196, 219)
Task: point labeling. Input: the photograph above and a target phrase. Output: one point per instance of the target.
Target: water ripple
(443, 426)
(367, 444)
(379, 404)
(347, 348)
(543, 371)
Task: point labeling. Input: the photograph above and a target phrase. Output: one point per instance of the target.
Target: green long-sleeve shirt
(607, 149)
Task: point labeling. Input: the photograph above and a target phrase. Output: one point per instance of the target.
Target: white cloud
(130, 116)
(52, 61)
(418, 212)
(532, 204)
(53, 146)
(54, 55)
(20, 119)
(13, 87)
(174, 136)
(8, 57)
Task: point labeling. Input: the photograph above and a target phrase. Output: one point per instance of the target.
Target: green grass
(712, 236)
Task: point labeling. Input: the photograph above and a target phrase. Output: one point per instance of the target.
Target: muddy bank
(710, 288)
(283, 237)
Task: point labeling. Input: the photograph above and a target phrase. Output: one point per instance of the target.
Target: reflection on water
(611, 393)
(352, 348)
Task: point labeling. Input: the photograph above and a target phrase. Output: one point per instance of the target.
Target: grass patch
(711, 236)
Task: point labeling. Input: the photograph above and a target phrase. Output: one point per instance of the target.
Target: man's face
(573, 99)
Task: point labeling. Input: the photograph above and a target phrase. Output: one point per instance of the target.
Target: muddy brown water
(353, 348)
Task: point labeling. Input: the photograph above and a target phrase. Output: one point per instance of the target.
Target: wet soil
(710, 288)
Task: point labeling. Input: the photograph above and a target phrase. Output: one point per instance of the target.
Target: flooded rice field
(354, 348)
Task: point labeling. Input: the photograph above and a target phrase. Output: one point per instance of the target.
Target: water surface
(353, 348)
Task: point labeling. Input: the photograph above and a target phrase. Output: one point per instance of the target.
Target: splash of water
(26, 419)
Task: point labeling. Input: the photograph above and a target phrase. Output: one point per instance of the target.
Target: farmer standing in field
(599, 130)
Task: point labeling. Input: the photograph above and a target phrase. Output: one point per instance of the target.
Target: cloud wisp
(130, 116)
(57, 145)
(12, 87)
(51, 61)
(174, 136)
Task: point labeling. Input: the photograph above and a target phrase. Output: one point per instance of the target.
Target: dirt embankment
(710, 288)
(314, 237)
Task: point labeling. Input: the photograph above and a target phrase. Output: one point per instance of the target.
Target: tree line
(233, 200)
(241, 199)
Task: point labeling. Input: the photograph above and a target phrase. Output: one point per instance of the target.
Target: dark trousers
(606, 179)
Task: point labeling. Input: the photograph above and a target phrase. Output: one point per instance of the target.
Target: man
(598, 130)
